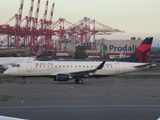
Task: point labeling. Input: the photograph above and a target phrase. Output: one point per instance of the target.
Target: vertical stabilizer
(142, 53)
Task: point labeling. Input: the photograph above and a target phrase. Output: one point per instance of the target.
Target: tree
(80, 52)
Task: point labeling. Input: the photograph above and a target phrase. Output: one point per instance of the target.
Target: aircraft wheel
(80, 81)
(23, 82)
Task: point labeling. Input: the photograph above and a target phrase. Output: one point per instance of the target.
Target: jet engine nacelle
(62, 77)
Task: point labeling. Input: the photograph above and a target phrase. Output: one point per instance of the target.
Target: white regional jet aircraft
(67, 70)
(6, 62)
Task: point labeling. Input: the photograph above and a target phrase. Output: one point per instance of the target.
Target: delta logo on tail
(142, 53)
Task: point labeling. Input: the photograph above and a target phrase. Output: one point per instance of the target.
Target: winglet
(101, 65)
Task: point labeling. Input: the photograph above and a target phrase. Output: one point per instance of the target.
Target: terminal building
(114, 48)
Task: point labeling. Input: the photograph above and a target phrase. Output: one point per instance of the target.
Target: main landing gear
(78, 80)
(23, 80)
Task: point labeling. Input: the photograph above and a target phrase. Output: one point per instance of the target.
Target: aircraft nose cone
(6, 72)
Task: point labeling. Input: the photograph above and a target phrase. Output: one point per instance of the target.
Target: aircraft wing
(145, 65)
(87, 72)
(83, 72)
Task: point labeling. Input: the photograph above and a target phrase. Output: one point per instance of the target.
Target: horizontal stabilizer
(145, 65)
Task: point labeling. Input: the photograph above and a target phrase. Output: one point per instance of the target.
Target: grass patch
(153, 69)
(137, 77)
(1, 70)
(7, 79)
(4, 97)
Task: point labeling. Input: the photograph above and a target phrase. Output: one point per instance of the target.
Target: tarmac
(95, 99)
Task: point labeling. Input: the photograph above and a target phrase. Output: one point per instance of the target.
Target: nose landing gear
(23, 80)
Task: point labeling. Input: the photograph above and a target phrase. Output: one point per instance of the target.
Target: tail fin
(142, 53)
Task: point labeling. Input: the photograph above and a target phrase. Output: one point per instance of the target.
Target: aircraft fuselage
(52, 68)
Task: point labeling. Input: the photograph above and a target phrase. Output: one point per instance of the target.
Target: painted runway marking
(67, 86)
(79, 106)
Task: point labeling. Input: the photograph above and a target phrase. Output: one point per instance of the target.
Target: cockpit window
(16, 65)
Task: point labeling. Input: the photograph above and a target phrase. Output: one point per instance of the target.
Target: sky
(138, 18)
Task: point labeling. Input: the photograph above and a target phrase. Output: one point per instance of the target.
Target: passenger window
(14, 65)
(17, 65)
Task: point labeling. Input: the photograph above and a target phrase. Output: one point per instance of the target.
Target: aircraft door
(29, 66)
(117, 66)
